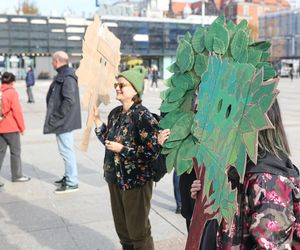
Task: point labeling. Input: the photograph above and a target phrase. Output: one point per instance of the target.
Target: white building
(295, 4)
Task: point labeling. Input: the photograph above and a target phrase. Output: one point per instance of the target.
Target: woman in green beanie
(130, 139)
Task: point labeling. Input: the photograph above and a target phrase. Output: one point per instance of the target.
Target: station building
(30, 40)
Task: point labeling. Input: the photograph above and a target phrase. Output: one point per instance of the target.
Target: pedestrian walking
(11, 126)
(130, 139)
(30, 81)
(62, 117)
(154, 78)
(291, 73)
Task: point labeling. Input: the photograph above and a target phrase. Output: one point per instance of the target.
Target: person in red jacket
(11, 125)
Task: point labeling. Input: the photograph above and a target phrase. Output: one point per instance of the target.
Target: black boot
(128, 247)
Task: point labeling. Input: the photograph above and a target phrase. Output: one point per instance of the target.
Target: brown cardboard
(97, 71)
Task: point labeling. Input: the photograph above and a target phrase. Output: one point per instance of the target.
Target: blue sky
(58, 7)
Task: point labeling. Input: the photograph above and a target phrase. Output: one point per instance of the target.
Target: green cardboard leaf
(254, 56)
(239, 45)
(219, 46)
(220, 32)
(200, 64)
(198, 39)
(173, 68)
(184, 56)
(262, 45)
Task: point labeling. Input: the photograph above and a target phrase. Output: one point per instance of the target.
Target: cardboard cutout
(227, 70)
(232, 105)
(224, 39)
(98, 69)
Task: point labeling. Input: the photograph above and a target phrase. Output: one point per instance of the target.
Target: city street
(32, 217)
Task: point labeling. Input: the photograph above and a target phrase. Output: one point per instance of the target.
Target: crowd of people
(269, 211)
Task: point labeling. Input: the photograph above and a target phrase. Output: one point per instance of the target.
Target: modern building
(30, 40)
(283, 30)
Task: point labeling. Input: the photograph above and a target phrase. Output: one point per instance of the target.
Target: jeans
(66, 150)
(177, 195)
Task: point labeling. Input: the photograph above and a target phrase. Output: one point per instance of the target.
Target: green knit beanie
(136, 77)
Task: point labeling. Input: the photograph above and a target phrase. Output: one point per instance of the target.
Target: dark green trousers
(130, 210)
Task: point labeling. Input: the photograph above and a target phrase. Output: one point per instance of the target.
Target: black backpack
(158, 166)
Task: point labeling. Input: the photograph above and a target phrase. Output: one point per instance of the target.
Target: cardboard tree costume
(98, 69)
(236, 90)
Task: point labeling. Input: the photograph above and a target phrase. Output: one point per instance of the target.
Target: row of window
(162, 38)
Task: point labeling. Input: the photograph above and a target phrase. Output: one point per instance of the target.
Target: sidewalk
(32, 217)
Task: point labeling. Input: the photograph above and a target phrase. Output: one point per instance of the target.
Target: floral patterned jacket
(270, 215)
(137, 130)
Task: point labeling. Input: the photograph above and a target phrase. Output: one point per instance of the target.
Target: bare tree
(27, 7)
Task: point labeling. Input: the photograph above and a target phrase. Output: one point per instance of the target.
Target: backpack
(158, 166)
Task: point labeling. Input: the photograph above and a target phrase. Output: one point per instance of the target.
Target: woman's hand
(195, 188)
(114, 146)
(96, 117)
(163, 135)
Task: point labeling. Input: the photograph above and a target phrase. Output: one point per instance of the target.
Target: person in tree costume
(235, 86)
(268, 215)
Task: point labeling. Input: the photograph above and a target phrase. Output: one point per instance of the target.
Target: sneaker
(178, 210)
(65, 188)
(22, 179)
(61, 181)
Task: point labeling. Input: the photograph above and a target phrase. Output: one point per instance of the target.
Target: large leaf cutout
(220, 122)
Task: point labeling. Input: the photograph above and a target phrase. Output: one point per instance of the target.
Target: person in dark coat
(30, 81)
(63, 116)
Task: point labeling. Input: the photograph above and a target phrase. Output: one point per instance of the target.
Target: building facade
(251, 10)
(30, 40)
(283, 30)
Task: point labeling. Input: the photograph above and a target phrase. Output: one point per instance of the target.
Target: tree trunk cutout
(201, 212)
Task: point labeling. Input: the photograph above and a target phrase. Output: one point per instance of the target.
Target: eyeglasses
(120, 85)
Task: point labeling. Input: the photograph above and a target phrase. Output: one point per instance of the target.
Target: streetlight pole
(203, 11)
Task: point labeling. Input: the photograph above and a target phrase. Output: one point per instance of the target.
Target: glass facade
(30, 40)
(42, 35)
(283, 30)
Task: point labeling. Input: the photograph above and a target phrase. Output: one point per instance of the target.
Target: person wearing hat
(130, 139)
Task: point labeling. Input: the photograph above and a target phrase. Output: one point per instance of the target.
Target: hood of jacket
(269, 163)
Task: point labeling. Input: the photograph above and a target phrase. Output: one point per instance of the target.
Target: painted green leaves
(225, 39)
(185, 55)
(232, 103)
(239, 46)
(217, 38)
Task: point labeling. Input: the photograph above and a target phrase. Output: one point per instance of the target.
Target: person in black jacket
(63, 116)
